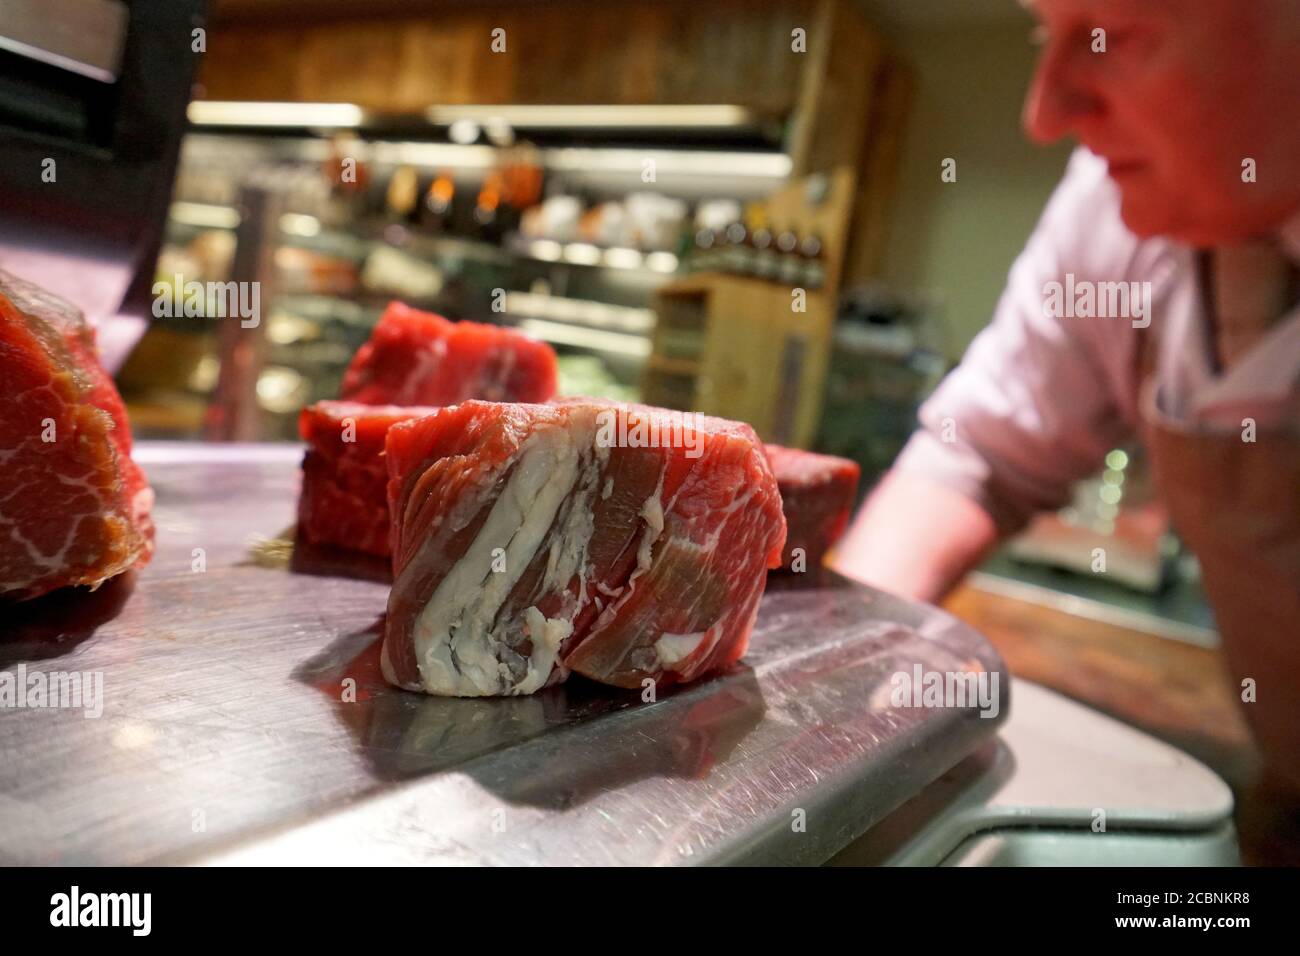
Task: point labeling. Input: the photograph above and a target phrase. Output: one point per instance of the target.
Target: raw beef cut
(817, 496)
(619, 541)
(344, 500)
(418, 358)
(74, 507)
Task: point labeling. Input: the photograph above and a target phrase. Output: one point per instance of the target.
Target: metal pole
(234, 413)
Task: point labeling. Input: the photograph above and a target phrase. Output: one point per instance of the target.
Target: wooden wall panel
(882, 156)
(571, 51)
(835, 98)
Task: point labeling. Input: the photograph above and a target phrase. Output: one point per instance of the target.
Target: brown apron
(1237, 505)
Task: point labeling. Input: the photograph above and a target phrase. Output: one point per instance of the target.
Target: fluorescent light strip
(701, 116)
(548, 250)
(619, 318)
(621, 258)
(204, 215)
(669, 162)
(586, 254)
(208, 216)
(240, 113)
(582, 253)
(661, 262)
(255, 113)
(572, 159)
(297, 224)
(433, 155)
(614, 342)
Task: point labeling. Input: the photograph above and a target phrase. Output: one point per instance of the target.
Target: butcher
(1185, 190)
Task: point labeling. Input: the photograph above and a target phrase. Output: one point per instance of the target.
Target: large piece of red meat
(534, 540)
(344, 500)
(74, 507)
(419, 358)
(817, 496)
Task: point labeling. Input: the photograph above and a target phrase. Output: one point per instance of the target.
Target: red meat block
(344, 500)
(817, 495)
(418, 358)
(622, 542)
(74, 507)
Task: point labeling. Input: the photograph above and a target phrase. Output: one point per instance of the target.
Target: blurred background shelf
(507, 196)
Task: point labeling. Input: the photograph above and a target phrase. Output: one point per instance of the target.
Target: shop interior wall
(958, 240)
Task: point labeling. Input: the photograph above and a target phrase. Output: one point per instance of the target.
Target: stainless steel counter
(229, 732)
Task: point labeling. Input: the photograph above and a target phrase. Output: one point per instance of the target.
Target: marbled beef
(622, 542)
(74, 507)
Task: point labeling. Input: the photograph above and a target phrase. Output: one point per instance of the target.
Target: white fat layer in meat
(653, 513)
(457, 648)
(672, 649)
(547, 635)
(567, 556)
(722, 516)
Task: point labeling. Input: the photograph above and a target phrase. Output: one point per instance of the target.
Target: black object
(92, 106)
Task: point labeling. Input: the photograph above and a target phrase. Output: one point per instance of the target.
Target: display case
(566, 232)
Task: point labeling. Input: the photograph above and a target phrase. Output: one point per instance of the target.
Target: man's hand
(915, 537)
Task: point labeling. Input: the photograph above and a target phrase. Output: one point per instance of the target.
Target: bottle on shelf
(788, 269)
(435, 210)
(758, 242)
(735, 259)
(765, 256)
(703, 251)
(814, 262)
(486, 208)
(403, 194)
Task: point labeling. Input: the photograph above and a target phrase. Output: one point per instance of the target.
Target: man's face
(1185, 92)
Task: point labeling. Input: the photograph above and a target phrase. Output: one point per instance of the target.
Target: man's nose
(1057, 99)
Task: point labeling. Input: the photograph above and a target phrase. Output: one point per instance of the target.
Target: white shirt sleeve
(1033, 406)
